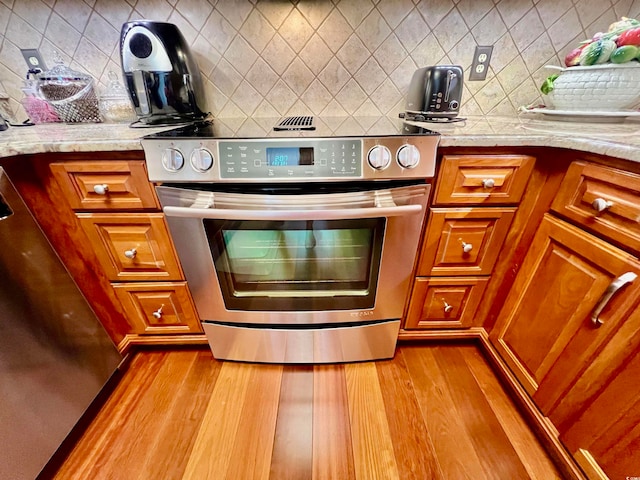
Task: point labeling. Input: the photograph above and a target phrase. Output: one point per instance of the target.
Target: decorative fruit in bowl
(618, 45)
(602, 74)
(604, 87)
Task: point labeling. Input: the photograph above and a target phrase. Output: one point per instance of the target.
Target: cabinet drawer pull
(488, 183)
(447, 307)
(131, 253)
(616, 285)
(158, 313)
(101, 189)
(467, 247)
(600, 204)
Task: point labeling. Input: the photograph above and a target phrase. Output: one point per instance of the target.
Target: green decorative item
(547, 86)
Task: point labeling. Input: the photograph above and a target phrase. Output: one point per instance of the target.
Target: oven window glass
(297, 265)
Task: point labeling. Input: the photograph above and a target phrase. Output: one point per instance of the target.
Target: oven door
(272, 258)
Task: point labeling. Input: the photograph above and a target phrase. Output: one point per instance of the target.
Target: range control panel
(290, 159)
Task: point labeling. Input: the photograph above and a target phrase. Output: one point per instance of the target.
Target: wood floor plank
(103, 441)
(497, 456)
(332, 448)
(213, 446)
(181, 422)
(413, 446)
(293, 444)
(373, 452)
(456, 454)
(431, 412)
(524, 442)
(142, 427)
(253, 445)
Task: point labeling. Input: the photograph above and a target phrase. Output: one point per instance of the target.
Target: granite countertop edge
(615, 140)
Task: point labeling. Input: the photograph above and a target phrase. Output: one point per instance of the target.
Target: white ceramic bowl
(606, 87)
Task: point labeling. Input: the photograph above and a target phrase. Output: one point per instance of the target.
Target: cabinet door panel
(544, 331)
(608, 431)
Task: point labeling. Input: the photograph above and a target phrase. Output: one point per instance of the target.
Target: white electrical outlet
(480, 64)
(34, 59)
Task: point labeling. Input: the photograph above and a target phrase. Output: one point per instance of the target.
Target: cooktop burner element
(251, 150)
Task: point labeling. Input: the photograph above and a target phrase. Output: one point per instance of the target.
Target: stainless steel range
(298, 244)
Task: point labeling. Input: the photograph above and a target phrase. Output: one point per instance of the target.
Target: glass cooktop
(268, 127)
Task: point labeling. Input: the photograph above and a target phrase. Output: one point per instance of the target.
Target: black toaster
(435, 92)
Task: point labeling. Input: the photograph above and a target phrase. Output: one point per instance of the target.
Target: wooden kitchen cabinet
(163, 308)
(463, 241)
(446, 302)
(605, 440)
(603, 200)
(117, 209)
(132, 246)
(569, 329)
(599, 418)
(483, 179)
(105, 185)
(545, 331)
(463, 237)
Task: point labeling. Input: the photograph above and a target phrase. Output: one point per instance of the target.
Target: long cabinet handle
(611, 290)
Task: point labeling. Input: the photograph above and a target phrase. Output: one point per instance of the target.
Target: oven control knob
(408, 156)
(201, 160)
(172, 160)
(379, 157)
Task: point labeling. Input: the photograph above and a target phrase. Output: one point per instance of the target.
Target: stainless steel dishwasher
(55, 356)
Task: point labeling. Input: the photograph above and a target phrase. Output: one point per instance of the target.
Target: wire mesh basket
(81, 106)
(70, 93)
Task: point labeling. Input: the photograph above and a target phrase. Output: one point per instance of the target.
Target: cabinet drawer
(463, 241)
(132, 247)
(587, 188)
(105, 185)
(482, 179)
(159, 308)
(444, 302)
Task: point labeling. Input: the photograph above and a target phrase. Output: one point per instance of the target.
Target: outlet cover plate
(480, 65)
(34, 59)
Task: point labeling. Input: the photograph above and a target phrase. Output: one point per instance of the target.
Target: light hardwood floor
(433, 412)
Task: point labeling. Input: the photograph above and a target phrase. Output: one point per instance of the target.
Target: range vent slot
(296, 123)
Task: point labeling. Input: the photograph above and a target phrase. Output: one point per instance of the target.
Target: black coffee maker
(160, 74)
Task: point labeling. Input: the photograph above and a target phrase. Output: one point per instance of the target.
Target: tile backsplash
(341, 57)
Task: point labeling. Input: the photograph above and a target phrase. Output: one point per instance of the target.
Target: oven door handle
(337, 214)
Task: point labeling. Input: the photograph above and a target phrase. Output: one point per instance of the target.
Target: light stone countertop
(621, 140)
(79, 137)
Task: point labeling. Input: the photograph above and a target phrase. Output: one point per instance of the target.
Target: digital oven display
(289, 156)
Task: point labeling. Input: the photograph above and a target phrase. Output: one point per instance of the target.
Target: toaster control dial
(202, 160)
(172, 160)
(454, 104)
(379, 157)
(408, 156)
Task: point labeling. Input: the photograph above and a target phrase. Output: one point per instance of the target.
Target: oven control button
(379, 157)
(202, 160)
(408, 156)
(172, 160)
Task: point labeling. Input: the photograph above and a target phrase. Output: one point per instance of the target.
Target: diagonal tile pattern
(341, 57)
